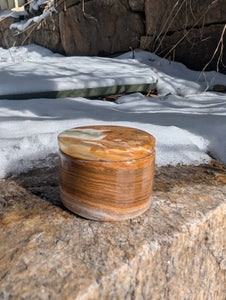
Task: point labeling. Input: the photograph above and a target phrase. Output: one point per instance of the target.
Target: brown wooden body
(106, 190)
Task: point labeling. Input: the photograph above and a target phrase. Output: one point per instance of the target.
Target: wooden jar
(106, 172)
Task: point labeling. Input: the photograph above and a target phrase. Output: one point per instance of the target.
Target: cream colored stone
(176, 250)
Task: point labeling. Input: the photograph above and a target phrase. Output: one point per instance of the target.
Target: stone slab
(176, 250)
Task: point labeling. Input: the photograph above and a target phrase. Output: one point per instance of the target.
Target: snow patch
(187, 122)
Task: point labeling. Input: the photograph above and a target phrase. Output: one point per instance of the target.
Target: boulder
(46, 34)
(104, 27)
(5, 24)
(195, 50)
(136, 5)
(172, 15)
(65, 4)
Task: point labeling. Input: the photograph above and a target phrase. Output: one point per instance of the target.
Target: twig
(31, 27)
(220, 44)
(184, 36)
(85, 14)
(170, 23)
(165, 24)
(12, 12)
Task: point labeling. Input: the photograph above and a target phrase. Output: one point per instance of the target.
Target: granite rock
(176, 250)
(192, 48)
(99, 29)
(137, 5)
(191, 28)
(5, 24)
(170, 16)
(46, 34)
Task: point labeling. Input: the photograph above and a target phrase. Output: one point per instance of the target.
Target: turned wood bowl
(106, 172)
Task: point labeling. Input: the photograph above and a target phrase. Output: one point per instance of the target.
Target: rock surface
(192, 47)
(192, 27)
(172, 15)
(4, 26)
(46, 33)
(176, 250)
(137, 5)
(102, 28)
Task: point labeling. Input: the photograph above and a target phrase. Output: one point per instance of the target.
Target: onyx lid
(106, 143)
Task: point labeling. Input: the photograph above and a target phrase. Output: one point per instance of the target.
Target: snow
(34, 5)
(8, 13)
(187, 121)
(176, 78)
(24, 54)
(22, 25)
(64, 73)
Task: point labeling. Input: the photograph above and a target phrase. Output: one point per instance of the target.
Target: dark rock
(220, 88)
(136, 5)
(115, 5)
(186, 31)
(4, 26)
(100, 29)
(46, 34)
(64, 5)
(195, 50)
(172, 15)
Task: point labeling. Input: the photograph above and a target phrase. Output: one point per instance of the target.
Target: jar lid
(106, 143)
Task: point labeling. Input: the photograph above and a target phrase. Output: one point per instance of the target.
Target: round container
(106, 172)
